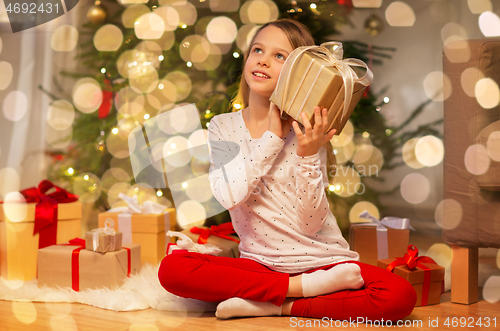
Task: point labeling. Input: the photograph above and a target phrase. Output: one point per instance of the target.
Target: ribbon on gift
(331, 52)
(382, 225)
(413, 261)
(221, 231)
(134, 207)
(46, 209)
(185, 243)
(107, 230)
(75, 261)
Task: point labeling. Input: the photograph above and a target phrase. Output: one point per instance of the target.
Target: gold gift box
(229, 247)
(18, 245)
(416, 279)
(314, 82)
(363, 240)
(96, 270)
(148, 230)
(105, 242)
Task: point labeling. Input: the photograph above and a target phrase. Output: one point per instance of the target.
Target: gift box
(146, 229)
(423, 273)
(378, 240)
(220, 236)
(317, 76)
(45, 219)
(105, 239)
(72, 266)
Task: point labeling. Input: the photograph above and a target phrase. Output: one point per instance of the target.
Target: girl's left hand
(313, 138)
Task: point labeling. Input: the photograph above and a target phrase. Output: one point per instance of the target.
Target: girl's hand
(276, 125)
(313, 138)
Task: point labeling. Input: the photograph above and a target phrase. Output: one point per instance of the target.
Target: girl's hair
(298, 35)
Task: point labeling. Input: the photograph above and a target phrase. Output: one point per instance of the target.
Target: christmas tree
(142, 58)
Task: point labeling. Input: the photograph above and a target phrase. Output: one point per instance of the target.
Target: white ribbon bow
(388, 222)
(184, 242)
(332, 52)
(108, 229)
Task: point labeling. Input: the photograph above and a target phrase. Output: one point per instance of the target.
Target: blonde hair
(298, 35)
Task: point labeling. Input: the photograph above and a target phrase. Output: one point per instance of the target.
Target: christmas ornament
(97, 13)
(373, 25)
(107, 99)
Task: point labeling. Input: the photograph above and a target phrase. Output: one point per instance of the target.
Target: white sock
(346, 276)
(238, 307)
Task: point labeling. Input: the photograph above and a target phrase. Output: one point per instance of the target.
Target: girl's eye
(257, 50)
(280, 56)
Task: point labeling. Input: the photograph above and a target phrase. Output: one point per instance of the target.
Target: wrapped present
(318, 76)
(105, 239)
(423, 273)
(70, 265)
(186, 244)
(217, 235)
(144, 224)
(379, 239)
(33, 219)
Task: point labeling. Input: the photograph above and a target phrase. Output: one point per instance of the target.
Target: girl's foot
(346, 276)
(237, 307)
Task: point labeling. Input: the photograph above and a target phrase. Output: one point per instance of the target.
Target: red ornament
(347, 4)
(107, 100)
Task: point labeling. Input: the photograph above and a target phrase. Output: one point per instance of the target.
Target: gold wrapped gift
(105, 239)
(317, 76)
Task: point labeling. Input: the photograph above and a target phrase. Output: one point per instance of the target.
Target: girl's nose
(263, 61)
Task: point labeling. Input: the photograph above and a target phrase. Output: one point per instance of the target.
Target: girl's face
(267, 55)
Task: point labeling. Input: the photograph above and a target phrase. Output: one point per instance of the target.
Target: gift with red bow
(217, 235)
(423, 273)
(70, 265)
(31, 219)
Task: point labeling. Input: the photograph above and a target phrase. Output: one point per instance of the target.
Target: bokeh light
(181, 82)
(448, 214)
(166, 41)
(477, 160)
(487, 93)
(453, 29)
(194, 48)
(170, 17)
(479, 6)
(409, 156)
(196, 139)
(9, 181)
(399, 13)
(441, 253)
(469, 79)
(190, 213)
(198, 189)
(129, 102)
(344, 153)
(212, 61)
(63, 323)
(429, 151)
(108, 38)
(149, 26)
(360, 207)
(87, 95)
(367, 3)
(347, 182)
(15, 207)
(489, 24)
(415, 188)
(25, 312)
(130, 2)
(143, 79)
(221, 30)
(368, 160)
(64, 38)
(245, 35)
(224, 5)
(58, 138)
(7, 74)
(187, 12)
(437, 86)
(345, 137)
(168, 90)
(457, 49)
(176, 145)
(493, 146)
(15, 106)
(491, 289)
(88, 187)
(115, 190)
(132, 13)
(113, 176)
(258, 12)
(60, 114)
(117, 144)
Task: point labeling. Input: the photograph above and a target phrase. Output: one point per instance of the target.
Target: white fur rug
(140, 291)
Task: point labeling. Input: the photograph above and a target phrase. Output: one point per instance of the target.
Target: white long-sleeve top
(276, 199)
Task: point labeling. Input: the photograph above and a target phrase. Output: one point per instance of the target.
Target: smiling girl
(294, 260)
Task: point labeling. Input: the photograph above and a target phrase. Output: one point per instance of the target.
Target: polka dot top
(276, 199)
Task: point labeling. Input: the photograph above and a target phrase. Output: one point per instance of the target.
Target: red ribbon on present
(46, 209)
(221, 231)
(413, 261)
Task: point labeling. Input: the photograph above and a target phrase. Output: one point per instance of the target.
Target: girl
(294, 260)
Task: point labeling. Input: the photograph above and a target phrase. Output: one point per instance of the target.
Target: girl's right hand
(276, 125)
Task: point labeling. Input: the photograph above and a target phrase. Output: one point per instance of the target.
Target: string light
(313, 6)
(183, 26)
(115, 130)
(71, 171)
(207, 111)
(237, 106)
(378, 109)
(236, 55)
(386, 99)
(366, 135)
(189, 64)
(161, 86)
(103, 70)
(161, 57)
(159, 193)
(184, 185)
(86, 177)
(146, 116)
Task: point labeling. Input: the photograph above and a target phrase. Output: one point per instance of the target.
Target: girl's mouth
(260, 75)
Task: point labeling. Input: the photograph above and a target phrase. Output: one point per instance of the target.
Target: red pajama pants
(214, 279)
